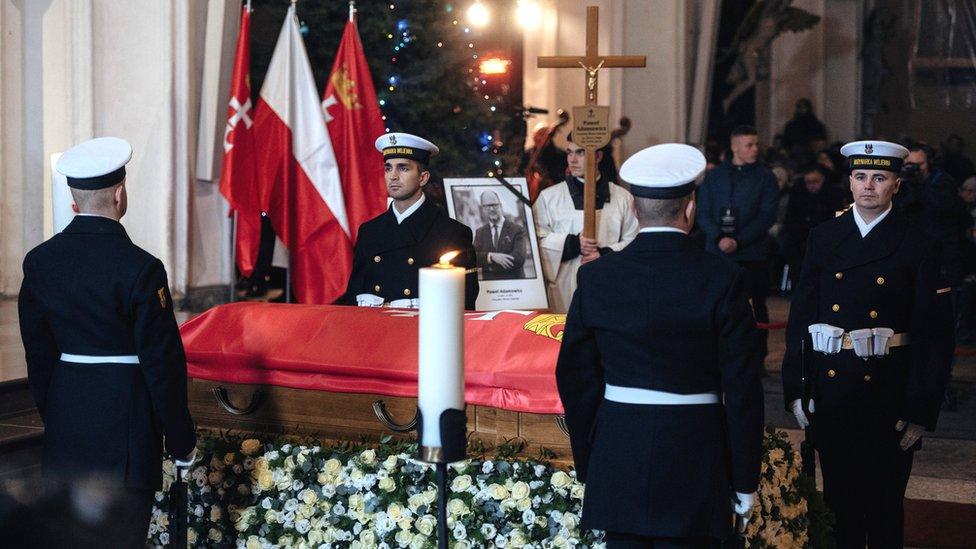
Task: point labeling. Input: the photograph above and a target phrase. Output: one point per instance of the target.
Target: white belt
(634, 395)
(90, 359)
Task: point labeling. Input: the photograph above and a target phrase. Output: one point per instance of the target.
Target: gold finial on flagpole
(352, 10)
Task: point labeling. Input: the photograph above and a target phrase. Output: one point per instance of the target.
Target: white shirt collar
(662, 230)
(95, 215)
(401, 216)
(864, 226)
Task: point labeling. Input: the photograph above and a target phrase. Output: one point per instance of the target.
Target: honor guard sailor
(105, 361)
(871, 334)
(413, 233)
(657, 374)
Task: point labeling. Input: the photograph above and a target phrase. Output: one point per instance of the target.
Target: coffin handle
(561, 422)
(379, 408)
(257, 399)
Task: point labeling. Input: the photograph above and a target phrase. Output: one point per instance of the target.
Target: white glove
(369, 300)
(744, 504)
(912, 433)
(797, 407)
(188, 460)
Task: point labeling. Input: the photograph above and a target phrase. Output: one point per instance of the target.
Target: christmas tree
(424, 62)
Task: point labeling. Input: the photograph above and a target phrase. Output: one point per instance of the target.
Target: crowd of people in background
(938, 191)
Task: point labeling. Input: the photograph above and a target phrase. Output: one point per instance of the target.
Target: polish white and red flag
(237, 177)
(298, 174)
(355, 122)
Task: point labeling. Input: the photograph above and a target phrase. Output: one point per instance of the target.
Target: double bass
(536, 175)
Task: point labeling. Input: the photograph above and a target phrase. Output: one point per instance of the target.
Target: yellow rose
(426, 525)
(560, 480)
(576, 491)
(309, 497)
(163, 520)
(290, 463)
(253, 542)
(497, 491)
(215, 513)
(250, 446)
(387, 484)
(215, 535)
(333, 466)
(404, 537)
(461, 483)
(229, 458)
(260, 464)
(215, 477)
(324, 478)
(191, 537)
(520, 490)
(356, 501)
(368, 457)
(265, 479)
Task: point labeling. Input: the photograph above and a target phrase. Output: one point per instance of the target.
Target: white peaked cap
(663, 171)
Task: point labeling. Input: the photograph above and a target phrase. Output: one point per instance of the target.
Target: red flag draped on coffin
(509, 356)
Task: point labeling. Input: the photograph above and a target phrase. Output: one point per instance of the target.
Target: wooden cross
(591, 63)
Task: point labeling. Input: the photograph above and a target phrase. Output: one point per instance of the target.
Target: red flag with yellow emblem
(353, 116)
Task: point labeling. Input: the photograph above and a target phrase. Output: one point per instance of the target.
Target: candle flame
(446, 258)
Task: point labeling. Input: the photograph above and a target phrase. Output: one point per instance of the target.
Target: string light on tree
(478, 14)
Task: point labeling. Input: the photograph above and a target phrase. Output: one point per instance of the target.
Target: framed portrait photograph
(509, 268)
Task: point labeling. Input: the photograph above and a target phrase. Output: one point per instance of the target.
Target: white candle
(441, 349)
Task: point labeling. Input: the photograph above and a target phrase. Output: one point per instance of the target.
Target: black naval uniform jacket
(890, 278)
(388, 256)
(90, 291)
(662, 314)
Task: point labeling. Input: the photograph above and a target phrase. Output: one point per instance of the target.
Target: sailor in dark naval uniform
(658, 376)
(871, 334)
(105, 361)
(413, 233)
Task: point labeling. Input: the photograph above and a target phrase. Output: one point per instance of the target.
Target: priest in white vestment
(559, 222)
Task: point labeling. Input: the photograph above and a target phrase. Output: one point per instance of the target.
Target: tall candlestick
(441, 348)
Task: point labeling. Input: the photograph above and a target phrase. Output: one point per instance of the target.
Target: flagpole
(248, 6)
(352, 10)
(233, 258)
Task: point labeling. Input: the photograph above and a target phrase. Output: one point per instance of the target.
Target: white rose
(357, 475)
(403, 537)
(461, 483)
(395, 511)
(488, 530)
(528, 517)
(426, 524)
(332, 466)
(390, 462)
(253, 542)
(497, 492)
(315, 537)
(415, 501)
(387, 484)
(576, 491)
(368, 538)
(405, 523)
(368, 457)
(308, 496)
(430, 496)
(460, 532)
(457, 507)
(462, 544)
(518, 538)
(270, 516)
(215, 535)
(569, 521)
(524, 504)
(560, 480)
(520, 490)
(418, 542)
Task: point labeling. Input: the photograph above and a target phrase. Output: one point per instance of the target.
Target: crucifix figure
(591, 63)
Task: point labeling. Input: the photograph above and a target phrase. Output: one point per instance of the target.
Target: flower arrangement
(790, 513)
(252, 494)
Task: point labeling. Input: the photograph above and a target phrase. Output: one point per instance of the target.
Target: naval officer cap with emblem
(874, 155)
(664, 171)
(95, 164)
(405, 145)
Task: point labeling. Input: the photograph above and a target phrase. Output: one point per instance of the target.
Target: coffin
(350, 373)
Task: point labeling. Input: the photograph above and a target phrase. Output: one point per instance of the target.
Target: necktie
(494, 236)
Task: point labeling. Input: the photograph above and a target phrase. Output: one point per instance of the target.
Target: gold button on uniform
(831, 373)
(881, 281)
(873, 314)
(376, 288)
(406, 292)
(835, 308)
(839, 276)
(410, 261)
(867, 378)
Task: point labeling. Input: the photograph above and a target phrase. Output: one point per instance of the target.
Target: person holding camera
(737, 204)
